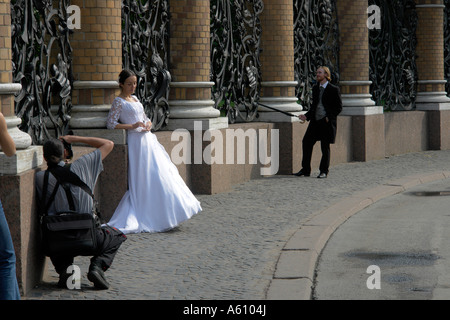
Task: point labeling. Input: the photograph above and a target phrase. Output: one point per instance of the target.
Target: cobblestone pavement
(229, 251)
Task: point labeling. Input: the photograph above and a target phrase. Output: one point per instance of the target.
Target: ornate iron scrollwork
(235, 65)
(41, 55)
(316, 43)
(447, 45)
(145, 51)
(393, 69)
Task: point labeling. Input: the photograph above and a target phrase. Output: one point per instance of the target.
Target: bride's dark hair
(124, 75)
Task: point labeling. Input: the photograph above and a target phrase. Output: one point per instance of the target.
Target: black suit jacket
(332, 102)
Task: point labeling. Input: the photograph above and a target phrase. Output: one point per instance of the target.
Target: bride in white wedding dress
(157, 198)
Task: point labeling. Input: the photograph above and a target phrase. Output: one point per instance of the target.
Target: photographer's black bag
(67, 233)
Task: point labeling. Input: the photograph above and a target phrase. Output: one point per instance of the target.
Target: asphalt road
(395, 249)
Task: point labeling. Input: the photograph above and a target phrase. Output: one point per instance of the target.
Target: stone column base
(432, 101)
(368, 137)
(18, 199)
(286, 104)
(367, 123)
(206, 124)
(89, 116)
(437, 105)
(184, 113)
(119, 137)
(190, 103)
(290, 139)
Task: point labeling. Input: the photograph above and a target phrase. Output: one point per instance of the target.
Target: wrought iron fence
(145, 38)
(316, 43)
(392, 48)
(235, 66)
(41, 63)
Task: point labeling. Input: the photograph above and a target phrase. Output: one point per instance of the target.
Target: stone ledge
(22, 161)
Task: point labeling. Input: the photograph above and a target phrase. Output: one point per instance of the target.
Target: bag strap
(64, 176)
(43, 205)
(69, 196)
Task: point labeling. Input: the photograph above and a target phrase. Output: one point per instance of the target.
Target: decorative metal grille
(393, 70)
(235, 65)
(447, 45)
(316, 43)
(145, 37)
(41, 55)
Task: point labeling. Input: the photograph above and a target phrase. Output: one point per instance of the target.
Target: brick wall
(7, 101)
(354, 44)
(430, 46)
(97, 49)
(190, 48)
(277, 44)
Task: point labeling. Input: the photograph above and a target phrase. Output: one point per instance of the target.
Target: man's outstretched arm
(104, 145)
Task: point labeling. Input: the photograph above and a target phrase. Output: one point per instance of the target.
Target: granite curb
(293, 278)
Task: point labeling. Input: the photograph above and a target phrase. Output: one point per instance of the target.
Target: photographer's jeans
(9, 290)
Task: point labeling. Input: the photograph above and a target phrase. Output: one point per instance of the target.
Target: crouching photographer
(68, 211)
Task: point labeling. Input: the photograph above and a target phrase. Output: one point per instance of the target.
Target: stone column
(431, 95)
(278, 81)
(190, 89)
(96, 64)
(277, 62)
(367, 119)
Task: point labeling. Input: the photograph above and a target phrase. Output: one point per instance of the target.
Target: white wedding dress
(157, 199)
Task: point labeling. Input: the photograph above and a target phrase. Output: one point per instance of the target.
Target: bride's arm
(112, 122)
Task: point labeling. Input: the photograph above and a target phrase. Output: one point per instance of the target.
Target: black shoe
(322, 175)
(97, 276)
(301, 173)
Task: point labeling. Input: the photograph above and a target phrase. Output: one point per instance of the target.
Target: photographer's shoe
(97, 276)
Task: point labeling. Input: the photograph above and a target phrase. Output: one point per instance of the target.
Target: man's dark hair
(53, 151)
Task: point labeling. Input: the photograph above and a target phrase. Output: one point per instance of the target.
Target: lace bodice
(123, 111)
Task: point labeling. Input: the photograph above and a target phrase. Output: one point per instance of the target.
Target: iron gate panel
(41, 63)
(392, 48)
(145, 38)
(235, 66)
(316, 43)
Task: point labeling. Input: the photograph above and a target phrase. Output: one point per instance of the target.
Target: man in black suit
(322, 117)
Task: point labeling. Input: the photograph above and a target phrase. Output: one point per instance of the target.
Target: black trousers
(317, 131)
(109, 240)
